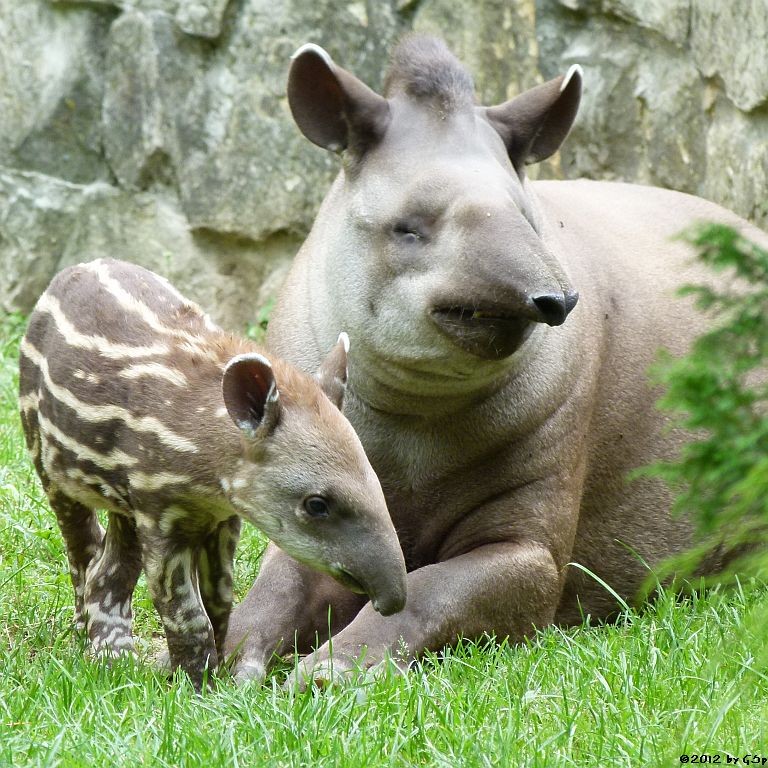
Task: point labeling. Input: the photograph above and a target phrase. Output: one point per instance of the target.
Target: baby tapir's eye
(316, 506)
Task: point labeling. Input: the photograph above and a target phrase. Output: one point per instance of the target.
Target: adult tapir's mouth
(493, 330)
(465, 315)
(488, 332)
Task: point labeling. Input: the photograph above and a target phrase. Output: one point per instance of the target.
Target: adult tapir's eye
(410, 231)
(316, 506)
(406, 235)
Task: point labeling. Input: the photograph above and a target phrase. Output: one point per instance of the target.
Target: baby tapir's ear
(250, 394)
(332, 373)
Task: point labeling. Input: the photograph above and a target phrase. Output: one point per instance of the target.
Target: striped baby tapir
(134, 402)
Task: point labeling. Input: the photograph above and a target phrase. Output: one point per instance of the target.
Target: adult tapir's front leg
(288, 608)
(505, 589)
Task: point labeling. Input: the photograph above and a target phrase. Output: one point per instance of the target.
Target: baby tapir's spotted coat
(133, 401)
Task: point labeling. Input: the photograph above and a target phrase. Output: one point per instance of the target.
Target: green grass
(683, 676)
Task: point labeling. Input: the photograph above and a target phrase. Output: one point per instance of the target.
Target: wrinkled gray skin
(502, 440)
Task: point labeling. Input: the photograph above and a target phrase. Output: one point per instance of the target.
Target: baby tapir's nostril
(554, 307)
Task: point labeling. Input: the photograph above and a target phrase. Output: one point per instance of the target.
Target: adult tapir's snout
(490, 317)
(499, 279)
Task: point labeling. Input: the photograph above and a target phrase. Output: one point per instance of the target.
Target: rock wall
(676, 93)
(158, 130)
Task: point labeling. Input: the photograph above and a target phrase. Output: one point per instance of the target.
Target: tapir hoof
(321, 674)
(161, 661)
(248, 671)
(106, 654)
(339, 671)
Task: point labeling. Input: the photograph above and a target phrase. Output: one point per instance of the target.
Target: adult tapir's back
(502, 331)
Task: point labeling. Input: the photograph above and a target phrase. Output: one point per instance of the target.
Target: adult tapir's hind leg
(501, 589)
(505, 590)
(83, 539)
(110, 581)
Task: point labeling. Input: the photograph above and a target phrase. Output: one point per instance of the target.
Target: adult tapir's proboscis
(502, 332)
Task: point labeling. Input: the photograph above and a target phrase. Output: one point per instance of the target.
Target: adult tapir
(502, 331)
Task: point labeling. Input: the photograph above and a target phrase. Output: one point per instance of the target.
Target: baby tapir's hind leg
(110, 581)
(216, 576)
(83, 538)
(170, 564)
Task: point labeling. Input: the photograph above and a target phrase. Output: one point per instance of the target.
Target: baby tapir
(133, 401)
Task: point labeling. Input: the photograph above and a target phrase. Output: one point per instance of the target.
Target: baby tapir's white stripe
(105, 347)
(155, 369)
(132, 304)
(143, 481)
(101, 413)
(112, 460)
(29, 402)
(98, 483)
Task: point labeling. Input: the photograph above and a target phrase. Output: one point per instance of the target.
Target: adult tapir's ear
(332, 373)
(250, 394)
(332, 107)
(534, 124)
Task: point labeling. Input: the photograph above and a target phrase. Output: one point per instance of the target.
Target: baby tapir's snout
(133, 401)
(313, 491)
(382, 574)
(371, 562)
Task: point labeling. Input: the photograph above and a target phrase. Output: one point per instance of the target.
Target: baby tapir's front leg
(215, 573)
(171, 560)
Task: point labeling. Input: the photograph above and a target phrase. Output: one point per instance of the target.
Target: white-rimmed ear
(534, 124)
(332, 373)
(331, 106)
(250, 394)
(574, 70)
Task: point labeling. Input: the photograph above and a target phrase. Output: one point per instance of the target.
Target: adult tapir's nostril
(571, 298)
(554, 307)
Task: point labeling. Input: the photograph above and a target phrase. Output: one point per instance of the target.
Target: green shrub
(719, 391)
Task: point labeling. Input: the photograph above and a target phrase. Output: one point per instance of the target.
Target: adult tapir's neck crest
(425, 70)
